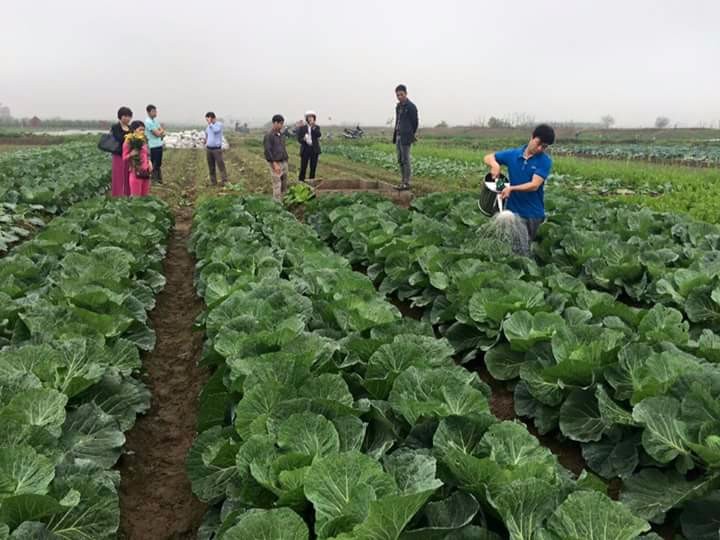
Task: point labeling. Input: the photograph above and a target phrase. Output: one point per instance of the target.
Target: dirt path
(247, 156)
(156, 501)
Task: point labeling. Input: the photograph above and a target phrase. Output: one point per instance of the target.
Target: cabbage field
(697, 154)
(73, 320)
(207, 364)
(346, 413)
(37, 184)
(613, 341)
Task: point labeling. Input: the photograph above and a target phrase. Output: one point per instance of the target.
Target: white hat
(310, 113)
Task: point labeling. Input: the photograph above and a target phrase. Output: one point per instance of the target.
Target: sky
(462, 60)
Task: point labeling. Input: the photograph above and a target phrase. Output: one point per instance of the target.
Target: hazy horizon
(463, 61)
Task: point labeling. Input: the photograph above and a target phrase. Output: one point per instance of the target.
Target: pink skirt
(139, 187)
(120, 186)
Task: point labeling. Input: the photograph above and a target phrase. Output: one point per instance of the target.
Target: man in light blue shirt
(155, 134)
(213, 148)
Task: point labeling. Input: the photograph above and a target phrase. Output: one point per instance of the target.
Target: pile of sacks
(188, 139)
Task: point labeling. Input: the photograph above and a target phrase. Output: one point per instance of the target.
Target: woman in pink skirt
(120, 186)
(138, 161)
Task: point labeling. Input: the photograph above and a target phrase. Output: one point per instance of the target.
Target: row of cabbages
(329, 412)
(190, 138)
(73, 318)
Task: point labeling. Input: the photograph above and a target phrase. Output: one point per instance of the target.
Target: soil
(156, 501)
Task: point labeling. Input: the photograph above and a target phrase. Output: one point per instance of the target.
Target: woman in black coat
(120, 186)
(309, 139)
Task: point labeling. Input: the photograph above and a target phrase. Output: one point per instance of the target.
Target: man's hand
(491, 162)
(276, 168)
(505, 193)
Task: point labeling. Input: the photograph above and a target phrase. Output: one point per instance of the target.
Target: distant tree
(442, 124)
(497, 123)
(607, 121)
(661, 122)
(478, 122)
(521, 120)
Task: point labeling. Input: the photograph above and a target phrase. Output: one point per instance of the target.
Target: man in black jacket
(406, 124)
(308, 136)
(277, 157)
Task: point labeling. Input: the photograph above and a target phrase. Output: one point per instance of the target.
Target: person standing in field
(528, 168)
(155, 133)
(406, 125)
(277, 157)
(135, 153)
(308, 136)
(213, 148)
(120, 185)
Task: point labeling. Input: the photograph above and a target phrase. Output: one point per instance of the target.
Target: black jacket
(274, 144)
(304, 148)
(406, 122)
(119, 135)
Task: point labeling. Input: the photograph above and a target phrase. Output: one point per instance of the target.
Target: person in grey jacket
(277, 157)
(406, 125)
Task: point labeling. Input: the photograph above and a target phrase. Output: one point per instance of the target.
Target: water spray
(504, 225)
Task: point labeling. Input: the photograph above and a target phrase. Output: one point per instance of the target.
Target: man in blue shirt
(155, 133)
(213, 146)
(528, 168)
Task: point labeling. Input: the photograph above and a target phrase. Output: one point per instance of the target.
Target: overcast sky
(462, 60)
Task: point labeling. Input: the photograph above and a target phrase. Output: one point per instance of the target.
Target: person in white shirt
(214, 150)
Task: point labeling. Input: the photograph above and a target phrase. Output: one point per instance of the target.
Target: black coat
(406, 122)
(304, 148)
(119, 135)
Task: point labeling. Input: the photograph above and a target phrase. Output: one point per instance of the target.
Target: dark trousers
(304, 160)
(403, 156)
(156, 160)
(532, 225)
(215, 156)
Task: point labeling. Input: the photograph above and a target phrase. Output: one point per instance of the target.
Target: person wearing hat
(309, 138)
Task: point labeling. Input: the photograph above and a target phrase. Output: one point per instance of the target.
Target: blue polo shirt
(529, 204)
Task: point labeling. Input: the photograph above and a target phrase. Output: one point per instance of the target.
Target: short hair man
(155, 133)
(277, 156)
(528, 168)
(406, 125)
(213, 148)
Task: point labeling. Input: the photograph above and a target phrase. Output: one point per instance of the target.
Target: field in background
(451, 159)
(457, 163)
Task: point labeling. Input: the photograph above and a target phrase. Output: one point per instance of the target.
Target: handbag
(108, 143)
(142, 174)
